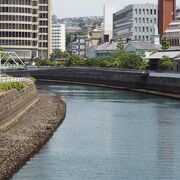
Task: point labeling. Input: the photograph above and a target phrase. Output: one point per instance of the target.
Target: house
(102, 50)
(173, 55)
(142, 47)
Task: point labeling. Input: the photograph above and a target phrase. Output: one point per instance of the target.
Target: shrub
(165, 63)
(11, 85)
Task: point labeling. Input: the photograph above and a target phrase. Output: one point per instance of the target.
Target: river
(110, 135)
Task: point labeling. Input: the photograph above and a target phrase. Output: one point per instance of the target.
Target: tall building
(135, 22)
(167, 13)
(108, 22)
(25, 27)
(58, 36)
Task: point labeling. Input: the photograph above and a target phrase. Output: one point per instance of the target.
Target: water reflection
(110, 135)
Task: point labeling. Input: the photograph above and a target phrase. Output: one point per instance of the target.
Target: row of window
(144, 38)
(15, 42)
(17, 34)
(146, 11)
(43, 1)
(15, 10)
(43, 15)
(43, 37)
(174, 42)
(143, 29)
(21, 2)
(43, 30)
(43, 23)
(17, 26)
(16, 18)
(43, 8)
(43, 44)
(22, 43)
(145, 20)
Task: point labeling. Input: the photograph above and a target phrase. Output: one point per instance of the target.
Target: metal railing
(18, 78)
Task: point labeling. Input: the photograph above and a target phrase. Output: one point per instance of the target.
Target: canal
(110, 135)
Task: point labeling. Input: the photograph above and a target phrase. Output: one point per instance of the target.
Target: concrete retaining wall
(13, 103)
(129, 79)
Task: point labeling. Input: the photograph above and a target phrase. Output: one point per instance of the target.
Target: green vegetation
(59, 54)
(46, 62)
(165, 63)
(11, 85)
(120, 44)
(120, 59)
(165, 43)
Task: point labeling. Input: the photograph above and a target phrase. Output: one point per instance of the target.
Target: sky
(78, 8)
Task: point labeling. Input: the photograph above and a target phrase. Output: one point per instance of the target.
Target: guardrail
(20, 78)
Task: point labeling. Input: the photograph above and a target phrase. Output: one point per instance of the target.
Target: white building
(108, 22)
(58, 36)
(135, 22)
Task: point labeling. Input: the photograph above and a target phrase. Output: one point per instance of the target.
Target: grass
(5, 86)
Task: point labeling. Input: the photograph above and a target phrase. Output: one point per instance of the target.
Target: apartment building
(135, 22)
(58, 36)
(81, 45)
(25, 27)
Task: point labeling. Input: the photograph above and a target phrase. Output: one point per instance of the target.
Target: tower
(167, 13)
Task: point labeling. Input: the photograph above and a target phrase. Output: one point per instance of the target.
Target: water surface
(110, 135)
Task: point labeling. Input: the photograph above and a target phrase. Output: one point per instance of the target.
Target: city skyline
(79, 8)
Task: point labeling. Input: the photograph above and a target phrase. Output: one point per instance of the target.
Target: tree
(57, 53)
(120, 44)
(165, 43)
(165, 63)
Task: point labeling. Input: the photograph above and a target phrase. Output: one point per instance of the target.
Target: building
(173, 55)
(172, 33)
(147, 48)
(102, 50)
(95, 37)
(25, 27)
(167, 13)
(81, 45)
(135, 22)
(58, 36)
(108, 22)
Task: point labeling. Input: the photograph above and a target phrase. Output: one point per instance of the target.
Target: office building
(135, 22)
(58, 36)
(25, 27)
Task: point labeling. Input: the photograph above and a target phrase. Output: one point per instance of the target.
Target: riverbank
(24, 139)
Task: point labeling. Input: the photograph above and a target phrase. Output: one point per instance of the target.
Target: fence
(19, 78)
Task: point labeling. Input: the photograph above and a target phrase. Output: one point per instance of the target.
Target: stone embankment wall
(14, 103)
(108, 77)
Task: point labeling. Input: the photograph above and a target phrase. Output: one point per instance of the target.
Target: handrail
(19, 78)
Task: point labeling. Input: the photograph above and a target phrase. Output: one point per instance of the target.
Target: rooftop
(141, 45)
